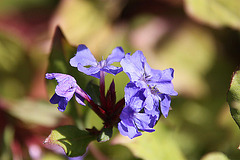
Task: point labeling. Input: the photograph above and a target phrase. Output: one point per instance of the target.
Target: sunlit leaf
(215, 12)
(118, 152)
(157, 145)
(233, 97)
(215, 156)
(73, 141)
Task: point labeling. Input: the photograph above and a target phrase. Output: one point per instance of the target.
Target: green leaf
(93, 91)
(157, 145)
(105, 135)
(38, 112)
(15, 67)
(215, 156)
(59, 58)
(73, 141)
(233, 97)
(91, 119)
(217, 13)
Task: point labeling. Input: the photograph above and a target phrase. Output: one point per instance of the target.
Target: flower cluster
(147, 95)
(147, 90)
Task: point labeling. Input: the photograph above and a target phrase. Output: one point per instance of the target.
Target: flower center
(102, 63)
(145, 77)
(154, 90)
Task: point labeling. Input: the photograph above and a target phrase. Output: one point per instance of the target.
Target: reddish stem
(98, 110)
(102, 90)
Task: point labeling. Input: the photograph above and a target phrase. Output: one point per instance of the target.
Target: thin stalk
(102, 90)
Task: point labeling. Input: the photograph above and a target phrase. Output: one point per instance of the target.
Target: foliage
(71, 139)
(198, 38)
(234, 97)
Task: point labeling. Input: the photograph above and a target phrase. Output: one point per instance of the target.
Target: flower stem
(96, 108)
(102, 90)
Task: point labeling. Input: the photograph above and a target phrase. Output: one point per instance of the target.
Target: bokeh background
(200, 39)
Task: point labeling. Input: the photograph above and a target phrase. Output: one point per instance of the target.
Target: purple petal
(142, 84)
(116, 56)
(134, 97)
(138, 60)
(149, 102)
(166, 88)
(83, 57)
(142, 122)
(126, 113)
(50, 75)
(154, 111)
(59, 77)
(112, 69)
(79, 99)
(66, 84)
(147, 68)
(129, 130)
(156, 76)
(162, 81)
(167, 74)
(165, 104)
(159, 76)
(154, 114)
(136, 104)
(65, 90)
(62, 104)
(133, 65)
(127, 116)
(55, 99)
(130, 90)
(91, 71)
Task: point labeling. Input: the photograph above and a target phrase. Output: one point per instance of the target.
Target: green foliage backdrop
(200, 39)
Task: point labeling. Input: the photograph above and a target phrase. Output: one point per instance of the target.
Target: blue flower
(86, 63)
(133, 119)
(157, 84)
(65, 90)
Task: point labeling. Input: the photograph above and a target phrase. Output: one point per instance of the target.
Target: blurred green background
(200, 39)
